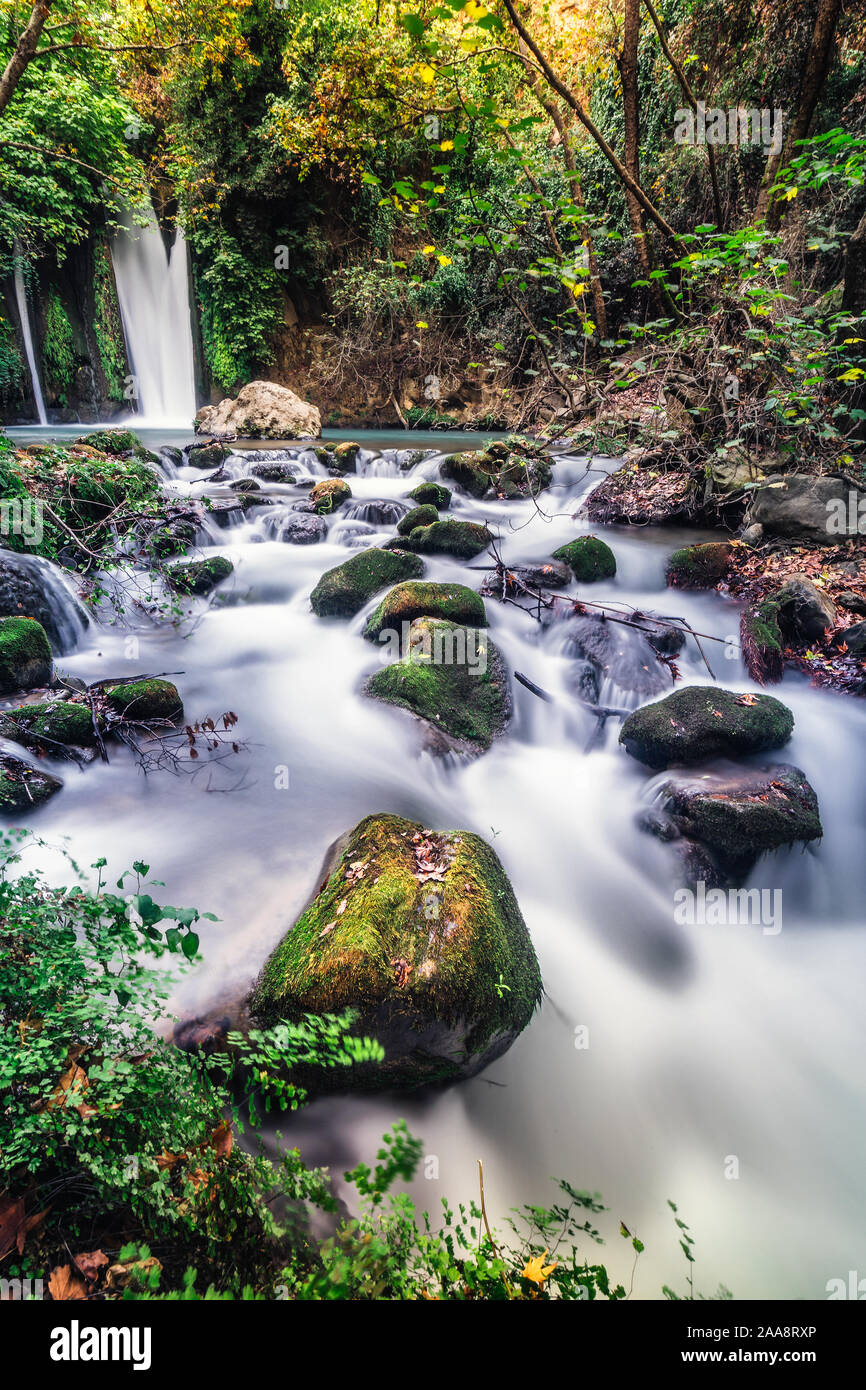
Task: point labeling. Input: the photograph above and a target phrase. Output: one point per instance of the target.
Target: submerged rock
(699, 566)
(424, 515)
(452, 676)
(23, 788)
(403, 604)
(199, 576)
(25, 655)
(342, 591)
(419, 931)
(743, 813)
(145, 699)
(623, 655)
(548, 574)
(433, 494)
(588, 558)
(275, 472)
(327, 496)
(262, 410)
(703, 721)
(462, 538)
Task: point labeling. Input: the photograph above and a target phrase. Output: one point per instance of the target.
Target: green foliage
(11, 364)
(58, 348)
(107, 326)
(240, 307)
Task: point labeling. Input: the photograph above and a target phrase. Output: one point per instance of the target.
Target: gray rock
(804, 508)
(804, 612)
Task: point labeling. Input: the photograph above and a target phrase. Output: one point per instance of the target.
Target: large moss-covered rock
(206, 455)
(23, 788)
(60, 721)
(345, 456)
(699, 566)
(432, 494)
(703, 721)
(419, 516)
(453, 602)
(498, 472)
(419, 931)
(741, 814)
(589, 558)
(145, 699)
(199, 576)
(452, 676)
(342, 591)
(462, 538)
(327, 496)
(25, 655)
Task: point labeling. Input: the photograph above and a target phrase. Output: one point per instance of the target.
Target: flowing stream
(26, 333)
(153, 290)
(705, 1043)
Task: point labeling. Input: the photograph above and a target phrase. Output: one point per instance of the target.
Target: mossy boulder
(206, 455)
(699, 566)
(117, 443)
(432, 494)
(589, 559)
(703, 721)
(342, 591)
(462, 538)
(345, 457)
(453, 602)
(743, 814)
(453, 677)
(761, 642)
(25, 655)
(418, 931)
(199, 576)
(60, 721)
(419, 516)
(497, 472)
(327, 496)
(145, 699)
(23, 788)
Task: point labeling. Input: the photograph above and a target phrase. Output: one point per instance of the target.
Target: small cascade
(153, 290)
(24, 315)
(377, 511)
(31, 584)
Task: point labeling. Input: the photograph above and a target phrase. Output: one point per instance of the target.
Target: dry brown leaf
(64, 1284)
(89, 1263)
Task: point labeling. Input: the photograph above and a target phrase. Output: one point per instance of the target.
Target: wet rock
(855, 639)
(150, 698)
(424, 515)
(588, 558)
(23, 788)
(275, 472)
(497, 472)
(621, 654)
(246, 485)
(453, 602)
(742, 813)
(206, 455)
(452, 676)
(704, 721)
(376, 511)
(433, 494)
(199, 577)
(342, 591)
(25, 655)
(262, 410)
(462, 538)
(853, 602)
(420, 932)
(804, 613)
(664, 637)
(753, 535)
(26, 592)
(297, 528)
(549, 574)
(344, 457)
(58, 721)
(326, 497)
(699, 566)
(803, 507)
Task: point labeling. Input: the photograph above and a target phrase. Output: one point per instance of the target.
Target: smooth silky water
(705, 1043)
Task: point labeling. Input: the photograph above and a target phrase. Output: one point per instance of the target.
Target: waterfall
(153, 290)
(24, 315)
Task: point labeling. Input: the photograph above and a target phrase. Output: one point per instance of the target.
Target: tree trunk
(24, 51)
(815, 68)
(627, 64)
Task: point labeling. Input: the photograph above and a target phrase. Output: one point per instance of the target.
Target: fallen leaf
(89, 1263)
(65, 1284)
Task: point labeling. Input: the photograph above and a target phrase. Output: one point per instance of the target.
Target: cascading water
(703, 1043)
(24, 316)
(153, 290)
(45, 592)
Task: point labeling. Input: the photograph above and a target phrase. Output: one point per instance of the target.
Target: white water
(24, 316)
(705, 1042)
(153, 290)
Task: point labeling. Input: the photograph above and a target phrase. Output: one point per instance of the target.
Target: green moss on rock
(746, 814)
(199, 576)
(342, 591)
(703, 721)
(25, 655)
(403, 604)
(146, 699)
(432, 494)
(589, 558)
(327, 496)
(345, 456)
(498, 472)
(441, 970)
(761, 642)
(699, 566)
(418, 516)
(23, 788)
(61, 721)
(462, 538)
(452, 676)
